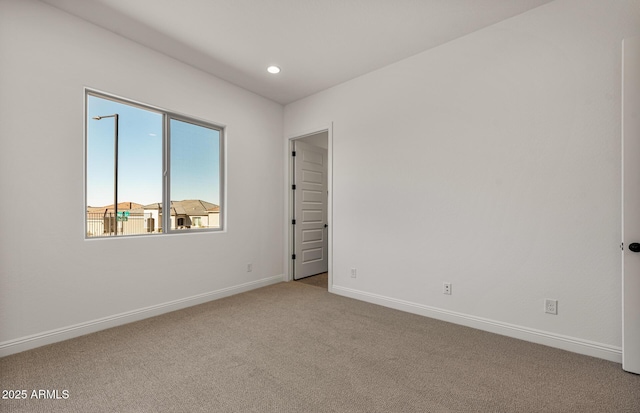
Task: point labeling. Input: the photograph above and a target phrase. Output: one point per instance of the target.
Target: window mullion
(166, 173)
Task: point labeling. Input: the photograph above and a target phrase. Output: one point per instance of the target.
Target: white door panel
(310, 210)
(631, 205)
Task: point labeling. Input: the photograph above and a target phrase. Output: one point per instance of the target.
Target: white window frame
(167, 116)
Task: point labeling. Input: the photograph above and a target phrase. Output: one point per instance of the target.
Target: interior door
(631, 205)
(310, 210)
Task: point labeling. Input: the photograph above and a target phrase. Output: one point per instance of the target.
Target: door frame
(290, 207)
(630, 220)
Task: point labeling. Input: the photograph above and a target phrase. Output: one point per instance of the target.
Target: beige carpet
(292, 347)
(319, 280)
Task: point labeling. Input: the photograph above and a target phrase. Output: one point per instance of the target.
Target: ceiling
(317, 43)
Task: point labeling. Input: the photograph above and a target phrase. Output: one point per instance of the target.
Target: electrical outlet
(354, 273)
(446, 288)
(551, 306)
(249, 267)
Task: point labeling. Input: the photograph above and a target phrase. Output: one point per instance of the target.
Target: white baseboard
(65, 333)
(572, 344)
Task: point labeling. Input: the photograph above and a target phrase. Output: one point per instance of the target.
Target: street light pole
(116, 117)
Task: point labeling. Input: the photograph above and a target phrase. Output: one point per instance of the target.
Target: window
(141, 162)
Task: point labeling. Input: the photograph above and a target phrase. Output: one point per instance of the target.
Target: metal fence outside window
(102, 224)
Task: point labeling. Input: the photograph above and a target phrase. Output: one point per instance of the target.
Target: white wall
(55, 284)
(495, 161)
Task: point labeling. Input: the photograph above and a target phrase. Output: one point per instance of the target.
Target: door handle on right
(635, 247)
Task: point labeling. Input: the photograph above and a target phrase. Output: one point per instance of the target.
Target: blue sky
(194, 156)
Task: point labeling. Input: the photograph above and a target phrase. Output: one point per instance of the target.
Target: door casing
(289, 210)
(631, 204)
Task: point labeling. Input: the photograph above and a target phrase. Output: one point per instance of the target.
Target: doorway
(309, 193)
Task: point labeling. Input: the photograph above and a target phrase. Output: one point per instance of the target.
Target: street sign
(122, 219)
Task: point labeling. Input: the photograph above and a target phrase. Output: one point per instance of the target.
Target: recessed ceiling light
(273, 69)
